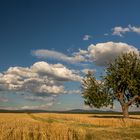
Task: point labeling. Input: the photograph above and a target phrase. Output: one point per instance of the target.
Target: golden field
(54, 126)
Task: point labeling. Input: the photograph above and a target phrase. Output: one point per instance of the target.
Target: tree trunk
(125, 111)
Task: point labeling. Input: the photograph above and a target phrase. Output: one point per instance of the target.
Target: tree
(121, 82)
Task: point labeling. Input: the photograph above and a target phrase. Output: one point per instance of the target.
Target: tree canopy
(121, 82)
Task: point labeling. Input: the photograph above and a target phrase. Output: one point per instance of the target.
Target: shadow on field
(111, 116)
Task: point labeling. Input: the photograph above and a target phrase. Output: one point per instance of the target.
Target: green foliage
(94, 93)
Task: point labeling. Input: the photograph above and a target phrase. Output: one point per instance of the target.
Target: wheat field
(54, 126)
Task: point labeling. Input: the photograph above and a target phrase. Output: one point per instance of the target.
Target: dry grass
(44, 126)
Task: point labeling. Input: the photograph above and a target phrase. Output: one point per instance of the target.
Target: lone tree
(121, 82)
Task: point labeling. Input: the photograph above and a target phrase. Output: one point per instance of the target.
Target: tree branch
(133, 99)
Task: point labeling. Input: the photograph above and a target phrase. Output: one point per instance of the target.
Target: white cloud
(82, 52)
(72, 92)
(58, 71)
(28, 107)
(57, 55)
(86, 107)
(134, 29)
(120, 30)
(102, 53)
(40, 98)
(46, 102)
(41, 77)
(21, 72)
(85, 71)
(39, 107)
(51, 89)
(87, 37)
(9, 107)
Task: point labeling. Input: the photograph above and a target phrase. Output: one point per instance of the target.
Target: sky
(47, 46)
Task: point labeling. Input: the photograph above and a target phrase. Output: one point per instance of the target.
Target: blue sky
(57, 42)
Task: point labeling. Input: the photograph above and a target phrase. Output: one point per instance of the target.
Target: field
(55, 126)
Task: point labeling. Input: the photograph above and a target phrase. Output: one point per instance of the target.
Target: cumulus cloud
(134, 29)
(102, 53)
(82, 54)
(57, 55)
(87, 37)
(41, 77)
(122, 30)
(57, 71)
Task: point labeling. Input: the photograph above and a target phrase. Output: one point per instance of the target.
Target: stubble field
(54, 126)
